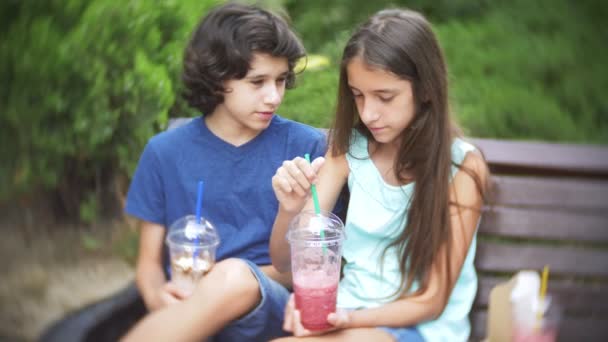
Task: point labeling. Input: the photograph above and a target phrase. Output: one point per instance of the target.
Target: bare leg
(226, 293)
(346, 335)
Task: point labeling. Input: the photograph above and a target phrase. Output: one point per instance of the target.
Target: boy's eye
(281, 80)
(386, 99)
(257, 82)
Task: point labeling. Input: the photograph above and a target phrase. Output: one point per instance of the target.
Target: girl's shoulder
(473, 161)
(460, 148)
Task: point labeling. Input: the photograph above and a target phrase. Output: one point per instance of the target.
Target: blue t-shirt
(238, 197)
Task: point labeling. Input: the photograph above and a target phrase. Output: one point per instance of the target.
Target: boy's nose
(273, 96)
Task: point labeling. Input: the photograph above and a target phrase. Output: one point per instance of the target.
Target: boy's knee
(235, 278)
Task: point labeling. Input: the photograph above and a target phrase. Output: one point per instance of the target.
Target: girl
(416, 191)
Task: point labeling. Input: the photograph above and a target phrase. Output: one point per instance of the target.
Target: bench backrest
(548, 206)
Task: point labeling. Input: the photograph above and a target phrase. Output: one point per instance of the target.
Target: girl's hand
(291, 183)
(292, 323)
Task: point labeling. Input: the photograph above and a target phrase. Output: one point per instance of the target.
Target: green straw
(313, 188)
(315, 200)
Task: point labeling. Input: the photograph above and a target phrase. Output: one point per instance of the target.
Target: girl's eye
(387, 99)
(257, 82)
(281, 80)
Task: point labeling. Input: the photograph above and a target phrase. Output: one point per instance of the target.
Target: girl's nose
(369, 113)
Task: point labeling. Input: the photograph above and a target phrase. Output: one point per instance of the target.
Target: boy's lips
(265, 115)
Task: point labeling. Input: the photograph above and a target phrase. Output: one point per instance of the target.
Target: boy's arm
(149, 274)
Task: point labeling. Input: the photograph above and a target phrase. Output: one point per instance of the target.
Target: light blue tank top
(376, 215)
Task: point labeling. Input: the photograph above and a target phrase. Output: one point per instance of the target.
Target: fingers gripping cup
(316, 256)
(192, 249)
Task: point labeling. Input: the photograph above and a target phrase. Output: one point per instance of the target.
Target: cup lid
(316, 230)
(187, 232)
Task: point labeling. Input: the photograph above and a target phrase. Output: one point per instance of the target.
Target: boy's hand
(291, 183)
(170, 293)
(292, 323)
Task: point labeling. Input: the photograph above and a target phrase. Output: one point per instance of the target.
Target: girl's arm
(429, 304)
(291, 185)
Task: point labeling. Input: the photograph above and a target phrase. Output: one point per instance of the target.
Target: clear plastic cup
(530, 327)
(315, 264)
(192, 249)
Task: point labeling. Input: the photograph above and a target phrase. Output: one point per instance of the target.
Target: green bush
(90, 82)
(518, 69)
(529, 70)
(87, 83)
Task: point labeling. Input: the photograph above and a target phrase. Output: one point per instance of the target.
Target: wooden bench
(549, 206)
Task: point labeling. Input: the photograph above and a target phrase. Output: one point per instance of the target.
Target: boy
(237, 66)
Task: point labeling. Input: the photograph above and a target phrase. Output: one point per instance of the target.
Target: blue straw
(199, 204)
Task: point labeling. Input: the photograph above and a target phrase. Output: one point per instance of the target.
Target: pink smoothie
(543, 335)
(315, 304)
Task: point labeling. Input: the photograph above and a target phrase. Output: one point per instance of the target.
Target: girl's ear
(425, 97)
(419, 120)
(421, 115)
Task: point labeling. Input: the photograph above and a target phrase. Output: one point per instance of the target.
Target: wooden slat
(590, 329)
(564, 260)
(545, 224)
(559, 193)
(479, 322)
(573, 297)
(545, 157)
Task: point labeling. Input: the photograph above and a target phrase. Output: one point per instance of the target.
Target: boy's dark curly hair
(222, 48)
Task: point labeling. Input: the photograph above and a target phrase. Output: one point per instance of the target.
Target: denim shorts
(404, 334)
(264, 322)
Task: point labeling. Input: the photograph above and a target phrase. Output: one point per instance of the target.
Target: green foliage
(87, 83)
(521, 75)
(518, 69)
(313, 99)
(90, 243)
(89, 208)
(90, 82)
(339, 16)
(126, 244)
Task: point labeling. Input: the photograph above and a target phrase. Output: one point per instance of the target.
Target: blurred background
(85, 84)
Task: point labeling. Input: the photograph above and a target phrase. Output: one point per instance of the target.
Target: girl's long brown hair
(403, 43)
